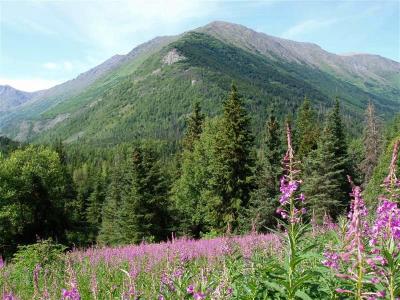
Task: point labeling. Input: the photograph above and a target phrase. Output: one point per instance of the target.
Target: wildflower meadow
(357, 257)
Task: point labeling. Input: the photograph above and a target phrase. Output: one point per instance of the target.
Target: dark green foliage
(136, 206)
(374, 187)
(94, 208)
(8, 145)
(110, 230)
(144, 209)
(95, 186)
(32, 197)
(190, 188)
(326, 168)
(307, 130)
(232, 179)
(217, 176)
(194, 127)
(264, 200)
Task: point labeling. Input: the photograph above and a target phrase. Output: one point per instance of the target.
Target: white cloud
(50, 66)
(30, 85)
(116, 26)
(66, 65)
(307, 26)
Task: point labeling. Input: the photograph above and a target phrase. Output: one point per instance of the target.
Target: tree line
(219, 180)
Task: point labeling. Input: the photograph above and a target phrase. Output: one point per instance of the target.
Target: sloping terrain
(148, 92)
(11, 98)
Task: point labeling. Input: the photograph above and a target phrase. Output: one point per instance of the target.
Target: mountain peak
(11, 97)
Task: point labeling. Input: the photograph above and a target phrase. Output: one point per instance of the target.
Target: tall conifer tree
(326, 187)
(233, 164)
(185, 190)
(194, 127)
(144, 213)
(110, 230)
(307, 130)
(95, 205)
(264, 198)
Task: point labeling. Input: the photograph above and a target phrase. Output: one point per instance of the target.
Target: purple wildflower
(387, 223)
(190, 289)
(289, 185)
(199, 296)
(8, 296)
(36, 272)
(72, 294)
(331, 260)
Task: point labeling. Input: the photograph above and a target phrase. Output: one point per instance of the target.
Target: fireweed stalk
(370, 259)
(290, 209)
(385, 233)
(353, 262)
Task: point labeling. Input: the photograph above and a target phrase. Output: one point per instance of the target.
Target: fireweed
(385, 232)
(291, 278)
(369, 261)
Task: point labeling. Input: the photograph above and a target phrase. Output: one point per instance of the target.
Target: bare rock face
(44, 125)
(172, 57)
(11, 98)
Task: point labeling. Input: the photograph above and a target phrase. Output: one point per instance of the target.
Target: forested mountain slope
(147, 93)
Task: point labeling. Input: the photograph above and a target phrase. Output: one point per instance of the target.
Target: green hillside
(149, 97)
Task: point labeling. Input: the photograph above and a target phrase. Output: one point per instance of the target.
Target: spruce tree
(326, 185)
(264, 198)
(144, 213)
(194, 127)
(110, 231)
(94, 209)
(325, 174)
(233, 165)
(334, 126)
(185, 190)
(307, 130)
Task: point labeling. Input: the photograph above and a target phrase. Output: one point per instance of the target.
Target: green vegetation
(148, 99)
(216, 180)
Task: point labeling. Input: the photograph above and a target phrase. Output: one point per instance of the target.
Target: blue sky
(43, 43)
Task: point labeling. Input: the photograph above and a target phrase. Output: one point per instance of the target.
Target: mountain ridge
(292, 68)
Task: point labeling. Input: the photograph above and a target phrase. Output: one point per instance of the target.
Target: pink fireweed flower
(387, 223)
(351, 260)
(331, 260)
(2, 264)
(36, 272)
(190, 289)
(72, 294)
(289, 186)
(199, 296)
(357, 225)
(8, 296)
(391, 183)
(93, 285)
(328, 222)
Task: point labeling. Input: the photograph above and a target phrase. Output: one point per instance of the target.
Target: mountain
(369, 72)
(148, 92)
(11, 98)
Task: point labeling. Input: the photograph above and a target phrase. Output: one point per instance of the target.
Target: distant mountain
(147, 92)
(369, 72)
(11, 98)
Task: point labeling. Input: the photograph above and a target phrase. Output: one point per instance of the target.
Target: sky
(44, 43)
